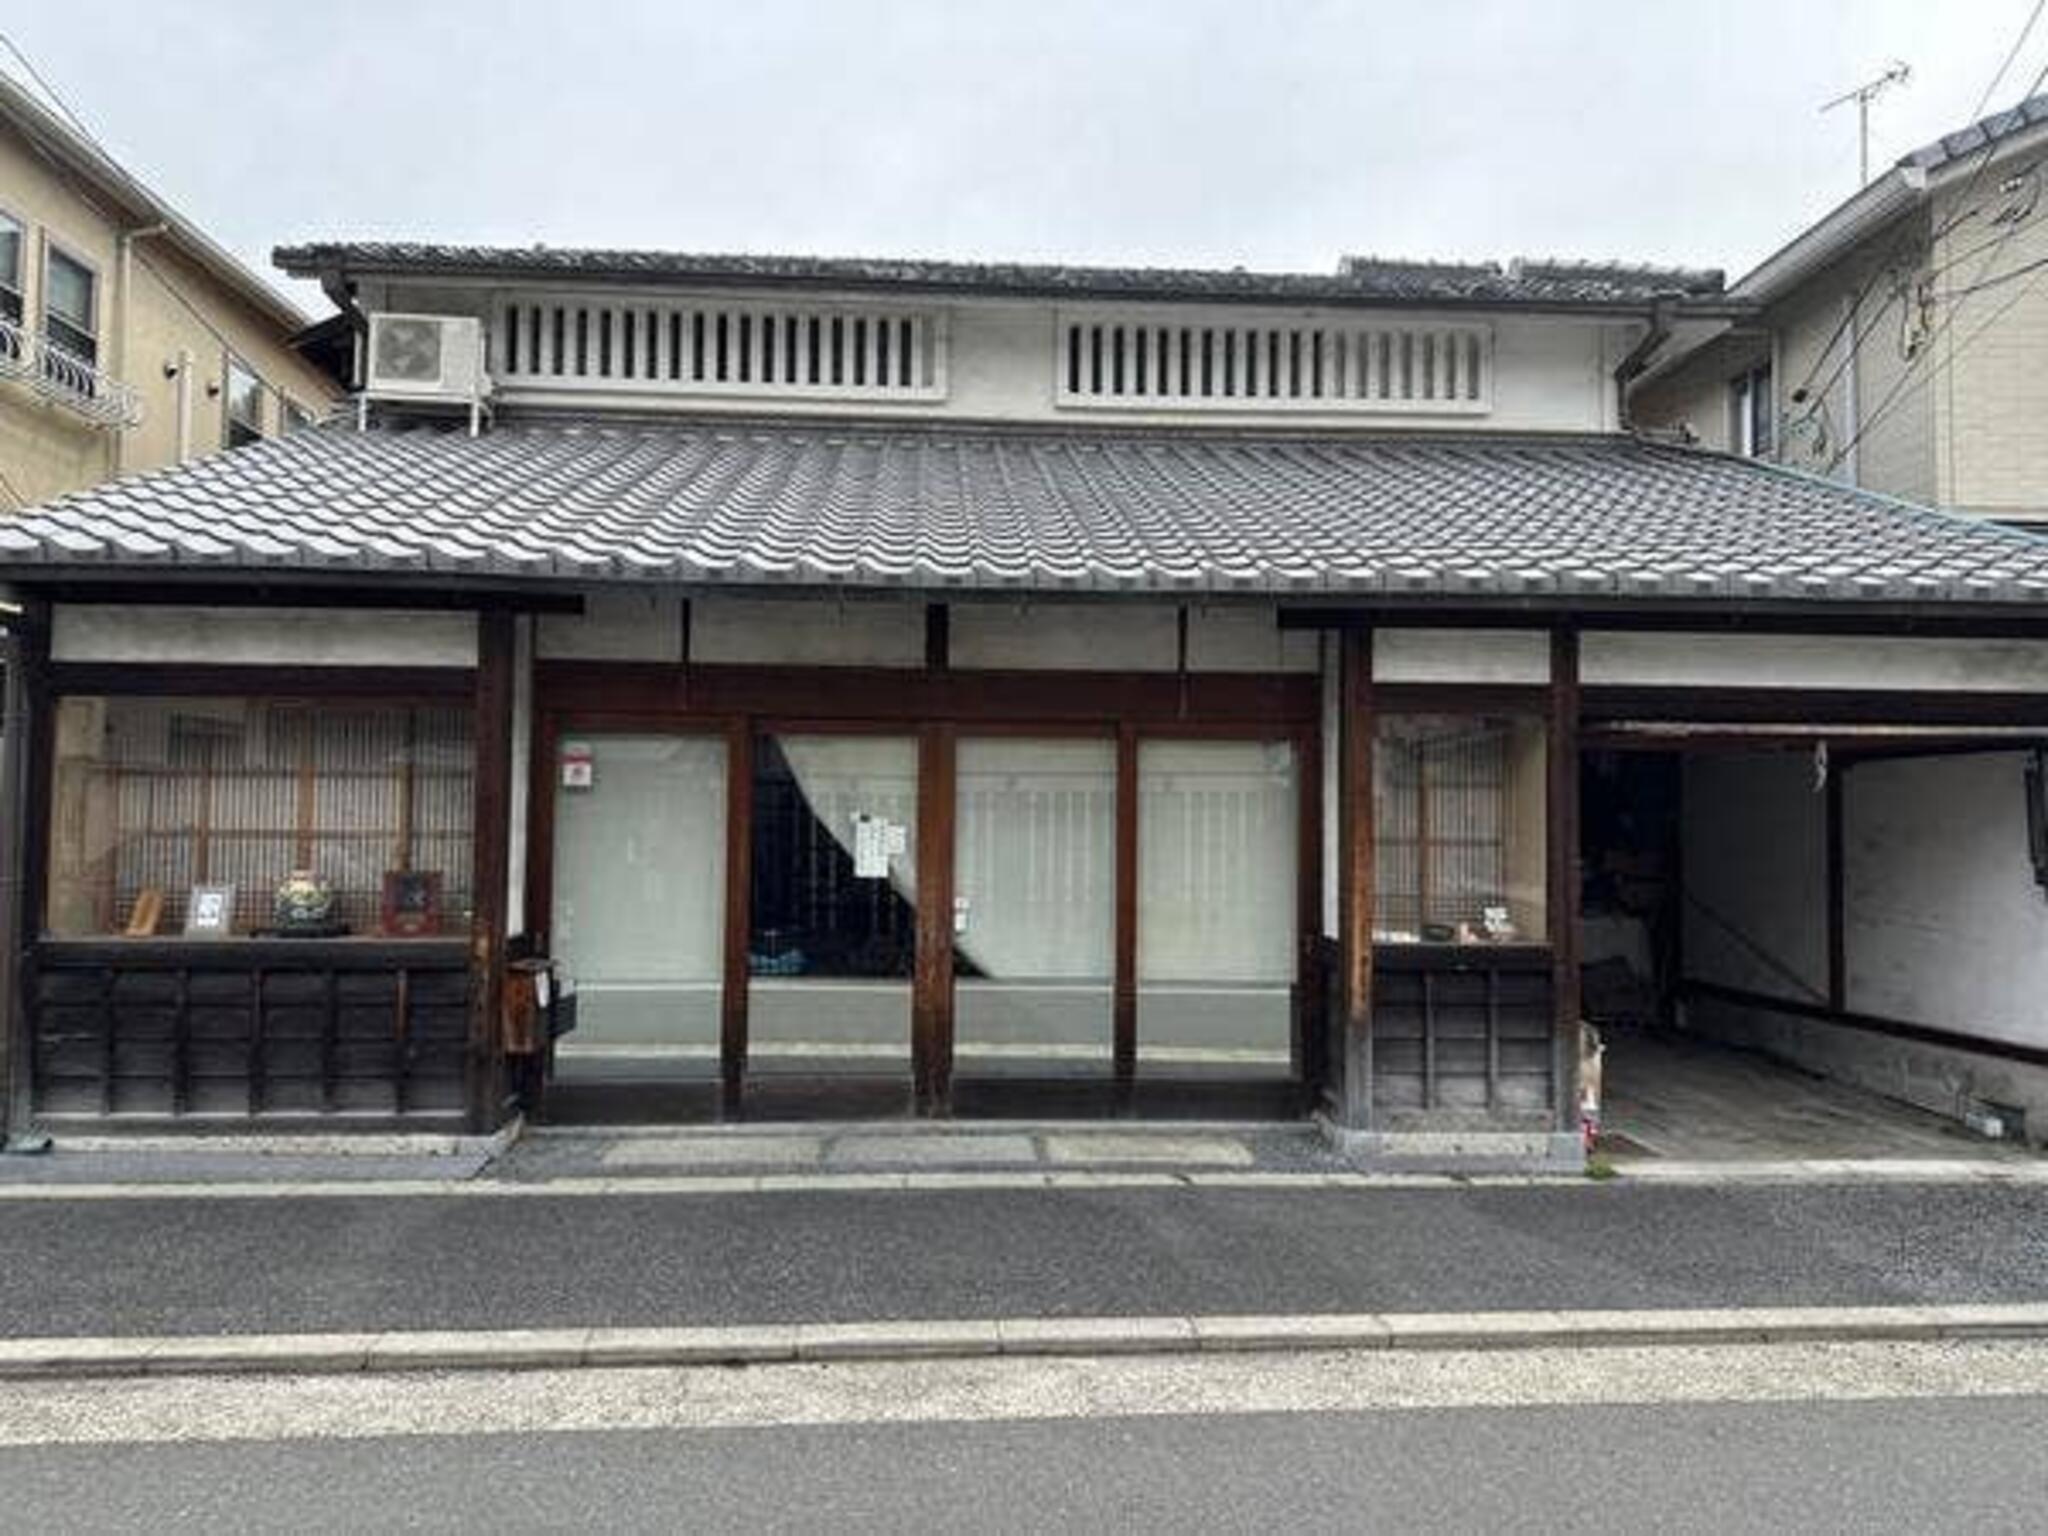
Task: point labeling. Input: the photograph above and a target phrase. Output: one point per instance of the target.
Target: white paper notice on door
(870, 847)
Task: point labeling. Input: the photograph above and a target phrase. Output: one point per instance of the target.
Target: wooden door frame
(743, 702)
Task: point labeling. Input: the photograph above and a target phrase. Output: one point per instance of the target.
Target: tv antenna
(1863, 95)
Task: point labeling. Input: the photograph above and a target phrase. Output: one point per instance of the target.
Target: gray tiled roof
(1359, 279)
(900, 506)
(1973, 139)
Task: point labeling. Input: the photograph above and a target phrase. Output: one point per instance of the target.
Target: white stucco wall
(1755, 870)
(615, 626)
(313, 637)
(1066, 636)
(1497, 656)
(1246, 639)
(649, 626)
(1945, 923)
(1813, 661)
(807, 633)
(1552, 373)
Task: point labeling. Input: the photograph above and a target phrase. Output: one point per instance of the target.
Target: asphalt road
(149, 1266)
(1964, 1464)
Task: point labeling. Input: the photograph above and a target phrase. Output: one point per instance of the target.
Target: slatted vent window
(1226, 364)
(726, 349)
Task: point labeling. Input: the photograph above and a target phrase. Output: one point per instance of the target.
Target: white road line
(215, 1409)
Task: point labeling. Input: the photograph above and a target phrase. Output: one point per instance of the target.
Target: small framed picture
(412, 903)
(210, 912)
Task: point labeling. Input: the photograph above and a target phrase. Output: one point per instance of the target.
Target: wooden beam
(739, 914)
(1124, 986)
(24, 829)
(911, 696)
(931, 1009)
(398, 684)
(938, 637)
(492, 855)
(1355, 886)
(1562, 857)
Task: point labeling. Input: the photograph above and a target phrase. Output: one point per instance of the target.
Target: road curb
(969, 1338)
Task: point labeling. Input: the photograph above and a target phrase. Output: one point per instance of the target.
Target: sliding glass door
(832, 939)
(1034, 909)
(1218, 844)
(639, 902)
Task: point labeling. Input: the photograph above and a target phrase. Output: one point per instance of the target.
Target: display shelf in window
(154, 798)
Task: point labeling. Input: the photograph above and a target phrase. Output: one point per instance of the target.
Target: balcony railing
(65, 379)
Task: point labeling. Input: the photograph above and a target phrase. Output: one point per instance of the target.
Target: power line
(1977, 172)
(2035, 272)
(1963, 212)
(1948, 320)
(2011, 53)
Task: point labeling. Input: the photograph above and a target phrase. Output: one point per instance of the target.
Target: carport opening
(1807, 947)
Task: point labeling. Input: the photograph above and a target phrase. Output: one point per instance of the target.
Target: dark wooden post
(1306, 1047)
(1838, 947)
(1562, 852)
(1355, 876)
(24, 832)
(492, 842)
(931, 1035)
(739, 914)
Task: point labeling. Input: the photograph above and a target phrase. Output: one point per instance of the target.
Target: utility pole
(1863, 95)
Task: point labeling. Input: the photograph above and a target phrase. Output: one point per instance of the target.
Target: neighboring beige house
(1897, 344)
(128, 338)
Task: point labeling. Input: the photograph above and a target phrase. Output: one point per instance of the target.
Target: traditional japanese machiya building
(908, 686)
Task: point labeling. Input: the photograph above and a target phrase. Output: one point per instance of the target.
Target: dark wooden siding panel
(1461, 1035)
(229, 1030)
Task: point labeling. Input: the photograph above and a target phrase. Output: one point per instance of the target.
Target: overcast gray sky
(1126, 131)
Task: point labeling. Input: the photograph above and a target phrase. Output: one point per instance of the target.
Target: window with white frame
(1752, 428)
(10, 269)
(242, 419)
(71, 301)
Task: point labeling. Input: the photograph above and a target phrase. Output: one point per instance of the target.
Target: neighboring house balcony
(34, 361)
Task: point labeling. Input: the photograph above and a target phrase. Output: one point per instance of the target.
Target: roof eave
(1820, 244)
(323, 262)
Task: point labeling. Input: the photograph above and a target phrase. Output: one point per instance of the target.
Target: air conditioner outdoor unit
(426, 357)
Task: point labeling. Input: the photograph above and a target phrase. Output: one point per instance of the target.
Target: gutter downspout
(341, 293)
(1632, 367)
(124, 276)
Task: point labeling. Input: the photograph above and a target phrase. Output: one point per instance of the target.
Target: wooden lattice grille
(659, 347)
(1233, 363)
(1458, 827)
(166, 794)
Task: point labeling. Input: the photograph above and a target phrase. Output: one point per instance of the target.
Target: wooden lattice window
(165, 794)
(1459, 809)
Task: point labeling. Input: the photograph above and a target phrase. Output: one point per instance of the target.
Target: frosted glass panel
(639, 893)
(833, 937)
(1035, 910)
(1218, 836)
